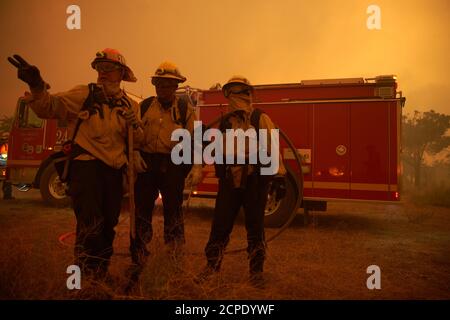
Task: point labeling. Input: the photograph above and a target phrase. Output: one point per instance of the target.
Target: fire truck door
(27, 137)
(331, 150)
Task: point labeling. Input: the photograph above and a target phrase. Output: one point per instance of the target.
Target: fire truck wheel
(53, 191)
(278, 212)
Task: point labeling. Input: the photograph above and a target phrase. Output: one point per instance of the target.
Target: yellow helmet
(113, 55)
(236, 80)
(168, 70)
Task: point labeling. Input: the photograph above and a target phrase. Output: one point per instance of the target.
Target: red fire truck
(346, 131)
(32, 143)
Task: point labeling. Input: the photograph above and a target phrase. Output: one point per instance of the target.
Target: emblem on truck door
(341, 150)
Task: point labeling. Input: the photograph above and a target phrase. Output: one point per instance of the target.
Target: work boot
(139, 256)
(109, 280)
(205, 275)
(93, 290)
(175, 251)
(132, 275)
(257, 280)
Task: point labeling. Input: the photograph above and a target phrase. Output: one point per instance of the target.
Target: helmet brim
(169, 76)
(230, 84)
(128, 75)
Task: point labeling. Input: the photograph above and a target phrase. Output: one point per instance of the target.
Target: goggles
(237, 89)
(107, 66)
(165, 83)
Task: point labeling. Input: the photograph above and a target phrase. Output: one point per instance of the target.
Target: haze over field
(268, 41)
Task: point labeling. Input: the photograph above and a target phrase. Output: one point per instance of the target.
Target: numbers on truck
(61, 136)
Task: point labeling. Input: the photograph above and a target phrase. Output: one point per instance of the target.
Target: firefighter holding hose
(242, 185)
(100, 119)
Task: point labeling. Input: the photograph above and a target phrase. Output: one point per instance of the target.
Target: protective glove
(131, 118)
(195, 176)
(139, 163)
(279, 187)
(27, 73)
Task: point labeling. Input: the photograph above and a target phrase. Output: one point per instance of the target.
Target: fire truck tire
(53, 192)
(278, 212)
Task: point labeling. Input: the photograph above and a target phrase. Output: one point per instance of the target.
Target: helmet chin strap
(111, 88)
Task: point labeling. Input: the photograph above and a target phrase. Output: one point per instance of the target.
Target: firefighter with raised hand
(241, 185)
(99, 116)
(157, 174)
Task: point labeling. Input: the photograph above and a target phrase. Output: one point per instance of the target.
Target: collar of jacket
(166, 105)
(119, 100)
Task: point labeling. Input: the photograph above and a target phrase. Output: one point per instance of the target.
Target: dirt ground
(327, 259)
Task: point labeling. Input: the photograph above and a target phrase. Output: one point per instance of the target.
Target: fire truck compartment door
(331, 150)
(370, 140)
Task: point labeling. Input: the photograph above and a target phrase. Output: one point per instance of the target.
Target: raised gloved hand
(279, 187)
(27, 73)
(139, 163)
(131, 118)
(195, 176)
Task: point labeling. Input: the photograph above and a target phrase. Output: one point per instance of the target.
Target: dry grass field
(324, 260)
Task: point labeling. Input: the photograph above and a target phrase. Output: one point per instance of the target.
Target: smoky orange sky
(268, 41)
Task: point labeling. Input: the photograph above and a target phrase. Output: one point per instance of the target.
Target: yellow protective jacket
(264, 123)
(159, 123)
(105, 139)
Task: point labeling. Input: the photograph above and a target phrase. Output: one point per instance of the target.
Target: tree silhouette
(6, 123)
(423, 133)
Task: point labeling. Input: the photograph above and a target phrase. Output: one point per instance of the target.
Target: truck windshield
(27, 117)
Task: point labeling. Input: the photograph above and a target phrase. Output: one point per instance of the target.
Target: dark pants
(229, 200)
(168, 179)
(96, 191)
(7, 190)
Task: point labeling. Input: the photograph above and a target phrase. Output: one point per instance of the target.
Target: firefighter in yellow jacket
(98, 118)
(242, 185)
(161, 115)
